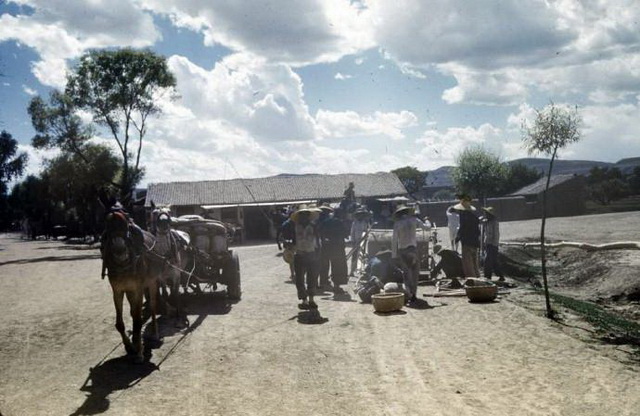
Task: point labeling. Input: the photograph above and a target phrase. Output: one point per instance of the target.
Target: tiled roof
(273, 189)
(539, 186)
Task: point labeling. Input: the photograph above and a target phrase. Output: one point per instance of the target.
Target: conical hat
(312, 209)
(402, 208)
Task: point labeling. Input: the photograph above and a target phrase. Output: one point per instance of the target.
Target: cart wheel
(232, 277)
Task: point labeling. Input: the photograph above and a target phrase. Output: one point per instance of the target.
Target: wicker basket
(387, 302)
(482, 293)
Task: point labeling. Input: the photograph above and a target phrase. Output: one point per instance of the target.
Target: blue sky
(334, 86)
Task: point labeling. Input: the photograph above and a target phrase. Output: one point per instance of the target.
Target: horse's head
(116, 237)
(161, 220)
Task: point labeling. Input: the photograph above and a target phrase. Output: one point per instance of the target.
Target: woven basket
(481, 293)
(387, 302)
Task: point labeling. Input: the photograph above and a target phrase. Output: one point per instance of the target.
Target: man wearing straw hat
(404, 247)
(332, 232)
(491, 242)
(305, 261)
(468, 236)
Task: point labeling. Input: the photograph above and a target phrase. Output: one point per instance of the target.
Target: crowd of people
(314, 243)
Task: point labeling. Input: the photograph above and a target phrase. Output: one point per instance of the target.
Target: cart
(210, 260)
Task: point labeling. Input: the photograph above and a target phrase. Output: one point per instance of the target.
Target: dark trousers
(334, 259)
(411, 269)
(305, 265)
(491, 264)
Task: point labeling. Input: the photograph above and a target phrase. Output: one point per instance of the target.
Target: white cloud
(500, 51)
(297, 33)
(340, 76)
(60, 30)
(29, 91)
(349, 124)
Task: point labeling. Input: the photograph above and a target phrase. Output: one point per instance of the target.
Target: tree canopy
(554, 128)
(12, 165)
(412, 178)
(478, 172)
(119, 89)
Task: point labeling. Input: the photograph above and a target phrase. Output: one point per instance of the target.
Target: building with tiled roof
(247, 202)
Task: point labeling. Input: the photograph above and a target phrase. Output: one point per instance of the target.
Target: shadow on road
(108, 377)
(52, 258)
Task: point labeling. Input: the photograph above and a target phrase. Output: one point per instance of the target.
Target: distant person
(278, 217)
(333, 260)
(453, 223)
(468, 235)
(404, 247)
(306, 261)
(450, 263)
(287, 238)
(491, 244)
(359, 227)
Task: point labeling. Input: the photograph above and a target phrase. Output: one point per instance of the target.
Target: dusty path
(60, 355)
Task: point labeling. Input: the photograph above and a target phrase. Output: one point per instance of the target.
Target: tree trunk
(543, 254)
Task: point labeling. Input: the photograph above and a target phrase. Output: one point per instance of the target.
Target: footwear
(337, 290)
(501, 279)
(312, 305)
(304, 305)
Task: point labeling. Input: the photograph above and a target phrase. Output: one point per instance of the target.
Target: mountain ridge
(441, 177)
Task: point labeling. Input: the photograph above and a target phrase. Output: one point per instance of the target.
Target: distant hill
(441, 177)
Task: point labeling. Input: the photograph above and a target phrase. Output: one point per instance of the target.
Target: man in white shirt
(404, 247)
(359, 227)
(453, 223)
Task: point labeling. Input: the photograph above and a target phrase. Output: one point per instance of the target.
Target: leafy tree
(634, 181)
(519, 175)
(607, 184)
(412, 179)
(74, 182)
(12, 165)
(553, 129)
(120, 90)
(478, 173)
(31, 199)
(444, 195)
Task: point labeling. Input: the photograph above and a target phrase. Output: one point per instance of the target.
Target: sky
(340, 86)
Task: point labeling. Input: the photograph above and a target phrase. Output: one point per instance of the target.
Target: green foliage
(519, 175)
(554, 128)
(57, 125)
(30, 198)
(12, 165)
(412, 179)
(479, 172)
(607, 185)
(120, 89)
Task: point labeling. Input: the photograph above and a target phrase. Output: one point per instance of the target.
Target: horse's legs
(152, 286)
(135, 303)
(118, 297)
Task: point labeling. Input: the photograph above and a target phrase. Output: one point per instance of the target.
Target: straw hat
(311, 209)
(326, 207)
(489, 210)
(361, 212)
(403, 208)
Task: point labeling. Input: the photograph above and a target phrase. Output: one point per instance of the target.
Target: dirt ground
(60, 353)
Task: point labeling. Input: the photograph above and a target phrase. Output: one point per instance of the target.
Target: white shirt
(358, 227)
(305, 238)
(453, 222)
(404, 233)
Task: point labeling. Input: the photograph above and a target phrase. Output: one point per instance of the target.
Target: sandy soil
(60, 354)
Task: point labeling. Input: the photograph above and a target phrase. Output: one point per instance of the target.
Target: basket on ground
(387, 302)
(481, 293)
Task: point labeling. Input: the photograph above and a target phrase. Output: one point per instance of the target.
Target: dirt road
(60, 354)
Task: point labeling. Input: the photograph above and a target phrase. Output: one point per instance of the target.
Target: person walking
(305, 260)
(359, 228)
(469, 236)
(491, 244)
(333, 260)
(404, 247)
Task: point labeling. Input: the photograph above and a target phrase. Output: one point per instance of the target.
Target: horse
(132, 269)
(172, 247)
